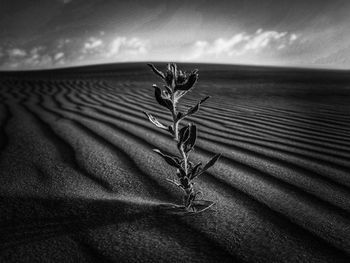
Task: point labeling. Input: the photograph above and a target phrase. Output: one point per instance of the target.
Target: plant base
(198, 206)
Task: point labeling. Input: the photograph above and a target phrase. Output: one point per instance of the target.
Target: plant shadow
(27, 219)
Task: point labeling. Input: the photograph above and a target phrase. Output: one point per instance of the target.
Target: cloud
(73, 51)
(58, 56)
(263, 39)
(37, 57)
(62, 43)
(92, 44)
(293, 37)
(127, 46)
(115, 49)
(17, 52)
(242, 43)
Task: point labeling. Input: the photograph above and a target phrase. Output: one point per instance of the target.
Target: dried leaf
(204, 99)
(195, 171)
(168, 89)
(211, 162)
(171, 160)
(190, 142)
(156, 71)
(189, 83)
(181, 77)
(183, 135)
(169, 79)
(195, 108)
(207, 166)
(173, 68)
(155, 121)
(160, 99)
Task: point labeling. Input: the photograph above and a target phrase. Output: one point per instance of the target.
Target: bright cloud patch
(127, 46)
(59, 56)
(37, 57)
(252, 48)
(243, 43)
(16, 52)
(68, 51)
(92, 44)
(119, 48)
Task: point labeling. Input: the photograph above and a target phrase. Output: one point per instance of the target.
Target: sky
(36, 34)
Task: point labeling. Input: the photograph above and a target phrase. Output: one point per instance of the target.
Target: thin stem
(184, 159)
(188, 189)
(176, 132)
(175, 122)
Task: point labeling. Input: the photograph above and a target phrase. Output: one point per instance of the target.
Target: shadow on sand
(25, 219)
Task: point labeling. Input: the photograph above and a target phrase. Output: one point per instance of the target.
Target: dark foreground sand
(79, 181)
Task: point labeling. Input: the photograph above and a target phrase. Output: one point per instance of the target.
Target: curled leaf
(204, 99)
(173, 68)
(195, 108)
(207, 166)
(192, 136)
(183, 131)
(156, 71)
(155, 121)
(169, 78)
(183, 135)
(181, 77)
(189, 83)
(211, 162)
(171, 160)
(165, 102)
(195, 170)
(168, 89)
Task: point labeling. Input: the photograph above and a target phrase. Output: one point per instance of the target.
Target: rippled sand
(79, 181)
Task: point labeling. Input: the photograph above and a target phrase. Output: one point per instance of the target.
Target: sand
(79, 181)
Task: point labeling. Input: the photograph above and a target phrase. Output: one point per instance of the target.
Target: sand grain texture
(79, 181)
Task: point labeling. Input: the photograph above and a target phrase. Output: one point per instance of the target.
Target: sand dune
(79, 181)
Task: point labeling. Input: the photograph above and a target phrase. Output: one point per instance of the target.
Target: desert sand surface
(79, 181)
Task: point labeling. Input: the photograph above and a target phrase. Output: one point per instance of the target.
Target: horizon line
(295, 67)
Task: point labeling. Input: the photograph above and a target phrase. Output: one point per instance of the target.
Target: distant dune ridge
(80, 183)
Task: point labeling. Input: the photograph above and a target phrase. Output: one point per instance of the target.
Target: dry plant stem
(176, 132)
(181, 150)
(178, 83)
